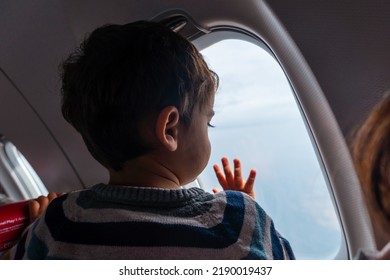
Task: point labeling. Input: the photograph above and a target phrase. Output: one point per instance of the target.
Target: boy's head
(122, 77)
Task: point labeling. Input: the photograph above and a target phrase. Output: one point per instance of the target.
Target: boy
(141, 96)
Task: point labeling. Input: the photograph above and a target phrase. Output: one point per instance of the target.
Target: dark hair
(371, 154)
(121, 76)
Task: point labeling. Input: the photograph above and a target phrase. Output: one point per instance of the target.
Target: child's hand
(38, 206)
(233, 180)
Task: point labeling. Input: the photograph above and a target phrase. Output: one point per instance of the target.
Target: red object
(14, 218)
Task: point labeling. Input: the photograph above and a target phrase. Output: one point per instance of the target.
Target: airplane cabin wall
(346, 44)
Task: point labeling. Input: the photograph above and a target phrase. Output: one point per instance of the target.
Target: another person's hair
(371, 154)
(121, 77)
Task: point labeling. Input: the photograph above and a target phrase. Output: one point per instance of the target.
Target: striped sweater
(119, 222)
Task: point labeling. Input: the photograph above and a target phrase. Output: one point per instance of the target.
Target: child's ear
(167, 127)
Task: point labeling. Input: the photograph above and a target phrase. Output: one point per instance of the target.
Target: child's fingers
(38, 206)
(220, 176)
(43, 203)
(215, 190)
(237, 173)
(51, 196)
(228, 172)
(33, 209)
(251, 178)
(250, 183)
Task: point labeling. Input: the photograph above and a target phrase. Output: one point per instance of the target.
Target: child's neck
(144, 172)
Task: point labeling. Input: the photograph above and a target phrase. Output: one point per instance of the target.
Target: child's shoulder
(58, 206)
(238, 201)
(235, 197)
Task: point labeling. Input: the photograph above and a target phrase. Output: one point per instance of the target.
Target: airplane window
(18, 179)
(257, 120)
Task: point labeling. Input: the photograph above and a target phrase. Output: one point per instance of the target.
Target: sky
(257, 120)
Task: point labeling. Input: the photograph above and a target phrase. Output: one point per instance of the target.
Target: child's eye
(210, 125)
